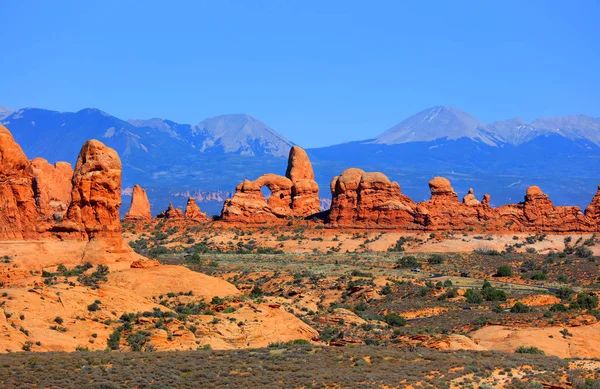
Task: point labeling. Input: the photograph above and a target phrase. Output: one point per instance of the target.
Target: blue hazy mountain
(171, 159)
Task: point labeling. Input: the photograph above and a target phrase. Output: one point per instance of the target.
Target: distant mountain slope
(438, 123)
(236, 133)
(4, 112)
(575, 128)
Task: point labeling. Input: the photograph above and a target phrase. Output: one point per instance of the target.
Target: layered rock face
(42, 201)
(296, 194)
(368, 200)
(192, 211)
(171, 213)
(140, 206)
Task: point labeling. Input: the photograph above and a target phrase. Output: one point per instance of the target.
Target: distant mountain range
(450, 123)
(560, 154)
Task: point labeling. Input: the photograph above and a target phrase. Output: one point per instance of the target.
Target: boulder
(470, 198)
(441, 189)
(192, 211)
(140, 206)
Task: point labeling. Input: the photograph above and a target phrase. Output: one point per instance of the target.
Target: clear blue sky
(319, 72)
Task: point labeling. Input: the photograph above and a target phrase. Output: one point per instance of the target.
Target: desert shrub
(399, 245)
(256, 292)
(487, 252)
(408, 261)
(565, 293)
(519, 307)
(435, 259)
(95, 278)
(138, 340)
(504, 271)
(114, 339)
(558, 308)
(473, 297)
(387, 289)
(529, 350)
(585, 301)
(583, 252)
(394, 320)
(539, 276)
(489, 293)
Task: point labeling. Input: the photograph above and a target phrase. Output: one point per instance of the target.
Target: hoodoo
(192, 211)
(140, 206)
(96, 195)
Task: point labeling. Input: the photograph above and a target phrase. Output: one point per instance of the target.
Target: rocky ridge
(366, 200)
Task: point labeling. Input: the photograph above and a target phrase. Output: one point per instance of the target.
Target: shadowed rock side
(140, 206)
(43, 201)
(192, 211)
(171, 213)
(296, 195)
(362, 199)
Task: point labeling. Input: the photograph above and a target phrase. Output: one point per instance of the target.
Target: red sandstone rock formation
(305, 191)
(171, 213)
(18, 211)
(96, 195)
(443, 211)
(537, 213)
(297, 194)
(140, 206)
(362, 199)
(592, 212)
(43, 201)
(368, 200)
(470, 198)
(192, 211)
